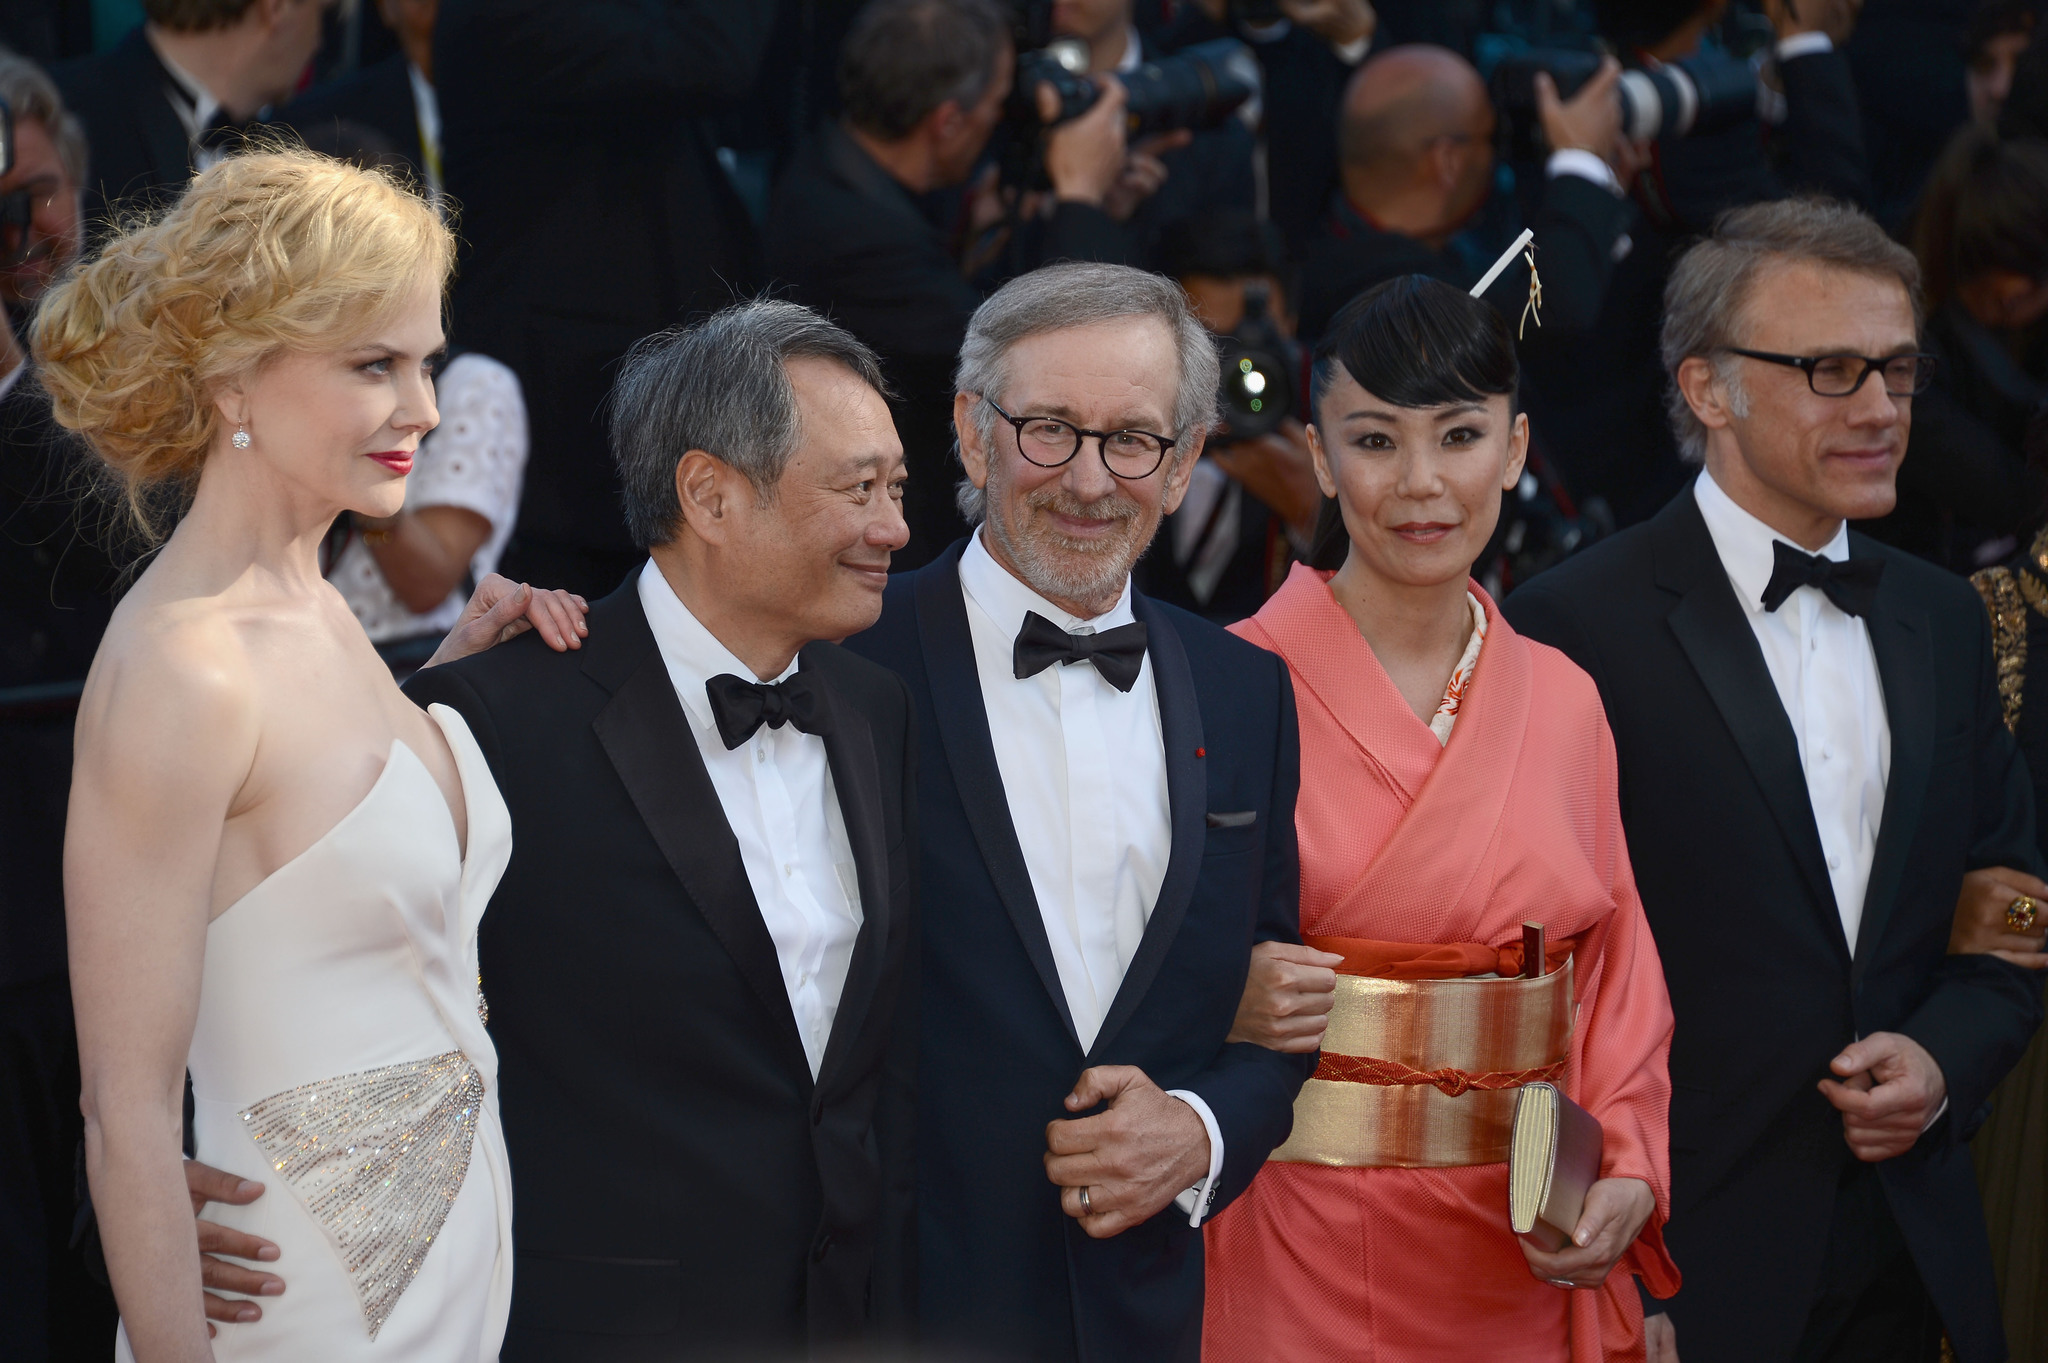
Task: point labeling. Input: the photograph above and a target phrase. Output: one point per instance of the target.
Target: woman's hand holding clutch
(1615, 1213)
(1287, 997)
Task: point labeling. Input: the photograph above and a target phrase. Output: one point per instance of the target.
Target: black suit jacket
(845, 238)
(681, 1186)
(594, 209)
(1004, 1272)
(378, 97)
(141, 156)
(1763, 985)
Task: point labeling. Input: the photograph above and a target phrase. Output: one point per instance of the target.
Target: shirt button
(760, 754)
(1834, 863)
(789, 868)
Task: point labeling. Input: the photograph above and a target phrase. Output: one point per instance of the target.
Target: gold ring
(1566, 1283)
(2019, 915)
(1087, 1207)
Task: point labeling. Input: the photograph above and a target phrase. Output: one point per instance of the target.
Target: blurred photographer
(55, 597)
(1416, 142)
(1252, 497)
(925, 83)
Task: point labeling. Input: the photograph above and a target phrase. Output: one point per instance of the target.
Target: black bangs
(1418, 342)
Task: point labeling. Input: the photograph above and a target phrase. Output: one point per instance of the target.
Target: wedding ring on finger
(2020, 914)
(1566, 1283)
(1087, 1206)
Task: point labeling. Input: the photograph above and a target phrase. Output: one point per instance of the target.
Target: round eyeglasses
(1838, 376)
(1050, 442)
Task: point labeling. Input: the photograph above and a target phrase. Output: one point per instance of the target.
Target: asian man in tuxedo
(696, 957)
(1106, 809)
(1811, 758)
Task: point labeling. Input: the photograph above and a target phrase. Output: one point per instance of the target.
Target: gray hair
(1709, 289)
(720, 386)
(904, 58)
(1057, 297)
(33, 98)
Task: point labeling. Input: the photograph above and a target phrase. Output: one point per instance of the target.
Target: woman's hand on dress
(1980, 926)
(1614, 1215)
(208, 1184)
(502, 609)
(1287, 997)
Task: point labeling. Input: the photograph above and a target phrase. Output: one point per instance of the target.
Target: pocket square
(1243, 818)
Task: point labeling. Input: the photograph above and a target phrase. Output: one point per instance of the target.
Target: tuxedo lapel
(1722, 647)
(1180, 726)
(648, 739)
(857, 782)
(1905, 664)
(962, 720)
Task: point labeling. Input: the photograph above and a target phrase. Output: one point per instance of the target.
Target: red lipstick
(398, 461)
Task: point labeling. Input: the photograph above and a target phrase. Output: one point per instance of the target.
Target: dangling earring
(241, 440)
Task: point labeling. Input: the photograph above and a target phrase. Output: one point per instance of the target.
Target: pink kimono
(1406, 840)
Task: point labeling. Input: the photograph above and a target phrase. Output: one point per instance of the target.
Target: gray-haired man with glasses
(1106, 811)
(1811, 756)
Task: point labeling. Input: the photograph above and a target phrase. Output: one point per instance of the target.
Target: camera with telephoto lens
(1256, 389)
(1702, 93)
(1197, 87)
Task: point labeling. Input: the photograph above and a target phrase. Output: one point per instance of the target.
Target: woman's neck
(248, 526)
(1418, 633)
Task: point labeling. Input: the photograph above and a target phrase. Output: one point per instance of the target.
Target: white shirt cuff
(1353, 52)
(1803, 45)
(1584, 164)
(1936, 1117)
(1196, 1200)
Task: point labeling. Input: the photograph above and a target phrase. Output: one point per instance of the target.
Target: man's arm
(1983, 1011)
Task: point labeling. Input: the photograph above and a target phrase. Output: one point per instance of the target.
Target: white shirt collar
(1744, 542)
(199, 107)
(1005, 599)
(12, 377)
(426, 104)
(1134, 52)
(692, 652)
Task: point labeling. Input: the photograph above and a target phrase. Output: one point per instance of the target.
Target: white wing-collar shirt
(777, 793)
(1825, 670)
(1084, 774)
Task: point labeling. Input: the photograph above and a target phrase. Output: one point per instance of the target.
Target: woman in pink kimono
(1457, 781)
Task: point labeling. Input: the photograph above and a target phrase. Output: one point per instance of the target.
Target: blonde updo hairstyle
(267, 252)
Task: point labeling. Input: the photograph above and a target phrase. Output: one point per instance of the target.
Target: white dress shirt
(1084, 774)
(1826, 673)
(776, 790)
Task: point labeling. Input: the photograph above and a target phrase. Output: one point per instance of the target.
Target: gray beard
(1063, 569)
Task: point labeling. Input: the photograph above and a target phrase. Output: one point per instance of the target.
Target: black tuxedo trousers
(681, 1186)
(1763, 983)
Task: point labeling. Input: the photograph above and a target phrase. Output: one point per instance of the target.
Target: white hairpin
(1525, 244)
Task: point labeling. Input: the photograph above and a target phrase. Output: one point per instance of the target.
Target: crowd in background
(617, 167)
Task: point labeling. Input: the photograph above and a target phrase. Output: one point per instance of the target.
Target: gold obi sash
(1422, 1073)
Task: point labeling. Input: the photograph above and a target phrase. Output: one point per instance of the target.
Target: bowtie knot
(1118, 654)
(739, 707)
(1850, 583)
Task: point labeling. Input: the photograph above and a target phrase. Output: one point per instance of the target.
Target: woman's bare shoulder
(172, 675)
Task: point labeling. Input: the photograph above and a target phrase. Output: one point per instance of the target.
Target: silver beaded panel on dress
(377, 1158)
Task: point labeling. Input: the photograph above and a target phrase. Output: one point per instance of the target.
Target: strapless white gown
(340, 1060)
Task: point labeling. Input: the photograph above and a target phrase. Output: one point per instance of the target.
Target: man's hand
(207, 1184)
(1614, 1214)
(1337, 22)
(1889, 1091)
(1084, 158)
(1590, 120)
(1143, 173)
(1287, 997)
(1836, 18)
(1133, 1160)
(1980, 926)
(1278, 469)
(1660, 1339)
(502, 609)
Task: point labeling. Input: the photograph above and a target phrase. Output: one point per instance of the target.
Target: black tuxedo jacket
(1728, 857)
(681, 1187)
(1004, 1272)
(377, 97)
(575, 138)
(141, 157)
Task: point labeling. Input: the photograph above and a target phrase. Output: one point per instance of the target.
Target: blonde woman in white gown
(275, 863)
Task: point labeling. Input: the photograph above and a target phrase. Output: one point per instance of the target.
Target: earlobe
(1701, 388)
(1518, 452)
(973, 457)
(1319, 459)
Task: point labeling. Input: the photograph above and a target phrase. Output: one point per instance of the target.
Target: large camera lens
(1256, 390)
(1197, 87)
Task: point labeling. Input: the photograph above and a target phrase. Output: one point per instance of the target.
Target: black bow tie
(1851, 584)
(740, 706)
(1118, 654)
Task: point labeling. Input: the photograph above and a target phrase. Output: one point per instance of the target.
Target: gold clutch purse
(1554, 1159)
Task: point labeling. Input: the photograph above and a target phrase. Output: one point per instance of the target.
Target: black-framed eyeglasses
(1050, 442)
(1838, 376)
